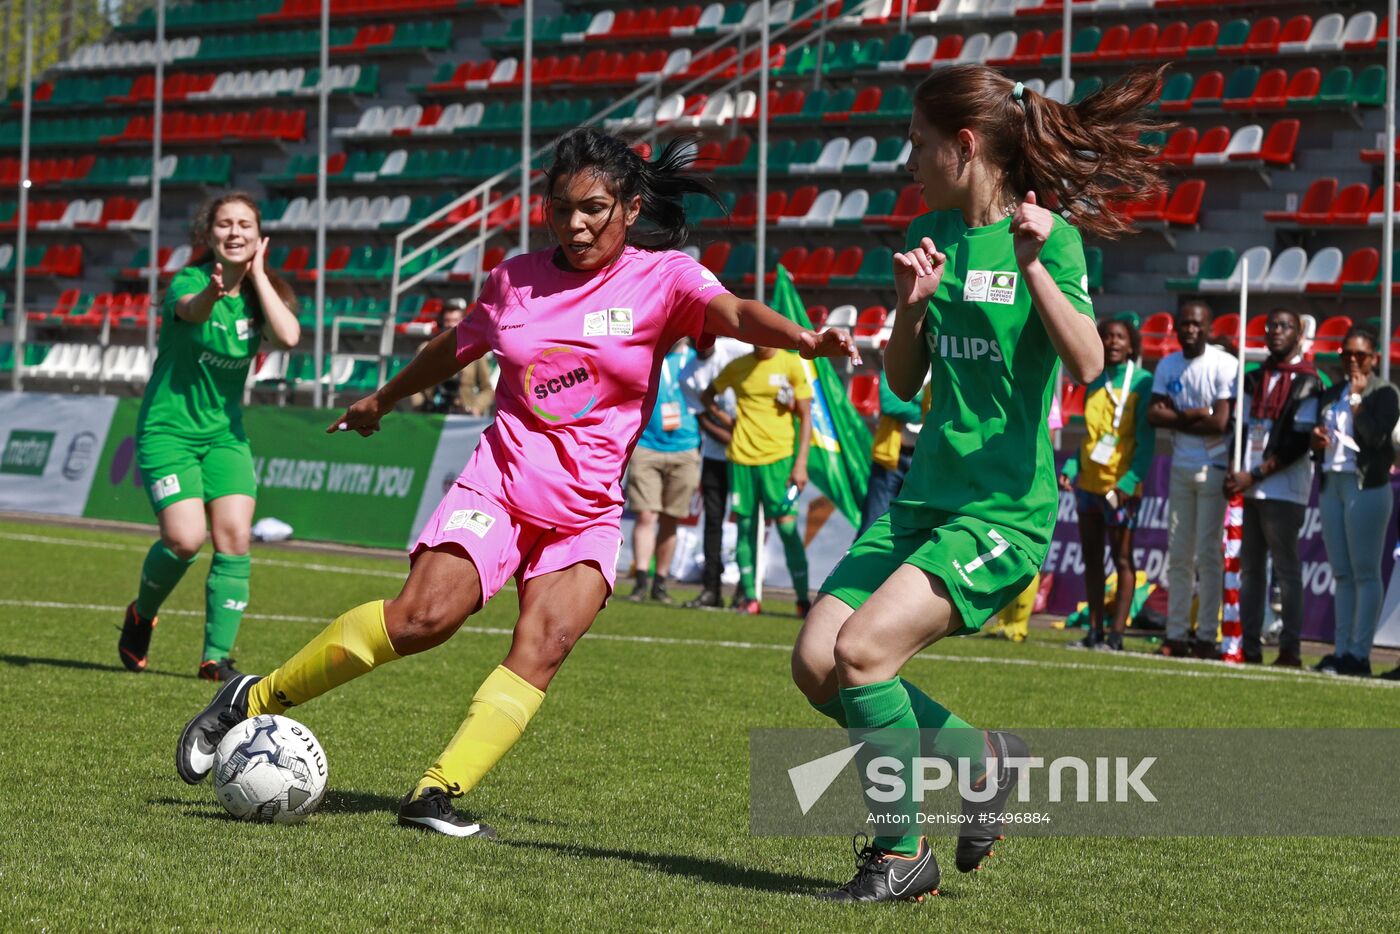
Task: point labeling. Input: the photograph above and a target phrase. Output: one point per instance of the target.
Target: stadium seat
(1287, 271)
(1277, 147)
(1293, 37)
(1360, 32)
(1239, 89)
(1246, 141)
(1369, 90)
(865, 393)
(1158, 336)
(847, 265)
(1330, 334)
(870, 325)
(1358, 274)
(1315, 203)
(1324, 269)
(1326, 35)
(1216, 265)
(1349, 207)
(1303, 88)
(1335, 89)
(1201, 41)
(1375, 208)
(1209, 149)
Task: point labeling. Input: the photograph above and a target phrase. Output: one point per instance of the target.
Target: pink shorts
(503, 546)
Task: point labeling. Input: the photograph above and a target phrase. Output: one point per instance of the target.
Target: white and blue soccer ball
(270, 769)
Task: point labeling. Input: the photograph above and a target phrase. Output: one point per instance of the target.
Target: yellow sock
(500, 710)
(355, 643)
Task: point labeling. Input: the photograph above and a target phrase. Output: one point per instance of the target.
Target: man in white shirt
(1280, 409)
(1192, 392)
(714, 464)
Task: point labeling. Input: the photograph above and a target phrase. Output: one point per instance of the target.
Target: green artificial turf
(624, 807)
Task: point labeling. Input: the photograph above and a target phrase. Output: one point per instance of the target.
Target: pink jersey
(580, 355)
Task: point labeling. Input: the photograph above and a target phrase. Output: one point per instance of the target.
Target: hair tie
(1017, 91)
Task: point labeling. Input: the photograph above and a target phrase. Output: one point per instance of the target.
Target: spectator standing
(1353, 447)
(767, 460)
(662, 477)
(1106, 477)
(892, 451)
(716, 431)
(1192, 392)
(468, 392)
(1279, 409)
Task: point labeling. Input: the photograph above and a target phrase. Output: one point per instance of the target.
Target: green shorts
(766, 482)
(174, 468)
(984, 567)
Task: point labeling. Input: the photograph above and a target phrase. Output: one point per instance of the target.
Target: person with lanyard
(662, 478)
(580, 330)
(892, 451)
(992, 297)
(1192, 394)
(716, 431)
(1106, 477)
(1353, 447)
(193, 453)
(1280, 409)
(767, 461)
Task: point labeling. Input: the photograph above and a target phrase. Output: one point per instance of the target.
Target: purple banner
(1066, 557)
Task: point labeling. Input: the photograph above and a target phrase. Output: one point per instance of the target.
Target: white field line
(1165, 667)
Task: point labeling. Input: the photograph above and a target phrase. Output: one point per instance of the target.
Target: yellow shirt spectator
(763, 393)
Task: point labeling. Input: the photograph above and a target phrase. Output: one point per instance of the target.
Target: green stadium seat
(1336, 88)
(813, 106)
(842, 60)
(896, 105)
(1369, 88)
(869, 55)
(1241, 84)
(1233, 36)
(1218, 264)
(1085, 42)
(1093, 263)
(1086, 86)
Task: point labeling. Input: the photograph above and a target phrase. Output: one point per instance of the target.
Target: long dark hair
(1080, 157)
(201, 234)
(661, 183)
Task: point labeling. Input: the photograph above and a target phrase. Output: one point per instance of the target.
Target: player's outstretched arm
(433, 365)
(755, 323)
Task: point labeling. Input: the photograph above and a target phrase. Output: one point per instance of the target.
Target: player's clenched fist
(918, 272)
(1030, 227)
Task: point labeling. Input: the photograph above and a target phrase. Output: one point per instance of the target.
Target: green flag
(839, 460)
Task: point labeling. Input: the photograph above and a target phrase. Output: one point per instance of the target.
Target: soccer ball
(270, 769)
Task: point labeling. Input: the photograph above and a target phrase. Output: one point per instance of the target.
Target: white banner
(50, 446)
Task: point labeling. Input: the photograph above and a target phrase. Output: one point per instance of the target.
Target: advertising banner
(331, 487)
(49, 445)
(1066, 557)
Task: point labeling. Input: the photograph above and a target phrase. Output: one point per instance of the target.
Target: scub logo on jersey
(956, 347)
(984, 285)
(562, 385)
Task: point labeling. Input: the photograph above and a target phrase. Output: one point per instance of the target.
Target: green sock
(744, 552)
(831, 708)
(225, 599)
(956, 738)
(883, 717)
(795, 554)
(160, 572)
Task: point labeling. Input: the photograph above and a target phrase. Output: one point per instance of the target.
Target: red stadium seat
(1204, 93)
(1359, 269)
(1184, 208)
(1278, 145)
(1142, 43)
(1114, 44)
(1149, 210)
(865, 393)
(950, 47)
(1226, 327)
(1159, 336)
(1179, 147)
(817, 314)
(1349, 207)
(1254, 332)
(1375, 208)
(791, 260)
(1212, 143)
(1315, 203)
(716, 255)
(1330, 334)
(1171, 42)
(1271, 93)
(1295, 31)
(1029, 46)
(1203, 37)
(816, 269)
(870, 322)
(1263, 37)
(1303, 87)
(847, 263)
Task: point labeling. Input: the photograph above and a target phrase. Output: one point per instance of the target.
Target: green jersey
(196, 386)
(984, 450)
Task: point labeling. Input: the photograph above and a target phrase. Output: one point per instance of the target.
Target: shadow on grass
(24, 661)
(699, 868)
(210, 810)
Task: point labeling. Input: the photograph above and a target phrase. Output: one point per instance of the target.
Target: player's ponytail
(661, 184)
(201, 239)
(1081, 158)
